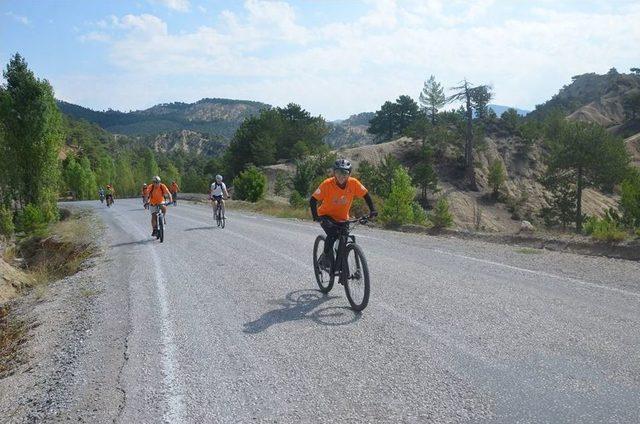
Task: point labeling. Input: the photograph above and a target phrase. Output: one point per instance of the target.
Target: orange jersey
(156, 195)
(174, 188)
(336, 201)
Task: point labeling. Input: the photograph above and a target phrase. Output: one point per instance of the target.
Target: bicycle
(217, 214)
(109, 200)
(349, 265)
(159, 220)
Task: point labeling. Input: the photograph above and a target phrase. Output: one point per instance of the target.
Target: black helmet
(343, 164)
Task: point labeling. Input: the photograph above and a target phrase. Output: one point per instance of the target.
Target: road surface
(227, 326)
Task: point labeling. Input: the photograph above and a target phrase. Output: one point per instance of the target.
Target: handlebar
(361, 220)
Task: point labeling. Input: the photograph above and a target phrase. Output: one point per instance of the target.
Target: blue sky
(335, 58)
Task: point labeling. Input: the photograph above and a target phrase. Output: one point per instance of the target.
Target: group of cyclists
(329, 203)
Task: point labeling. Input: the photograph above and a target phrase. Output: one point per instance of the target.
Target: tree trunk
(468, 148)
(579, 202)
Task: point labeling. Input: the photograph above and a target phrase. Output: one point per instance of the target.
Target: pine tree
(432, 98)
(497, 176)
(397, 208)
(597, 158)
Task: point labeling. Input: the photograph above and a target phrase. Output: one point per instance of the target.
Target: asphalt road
(228, 326)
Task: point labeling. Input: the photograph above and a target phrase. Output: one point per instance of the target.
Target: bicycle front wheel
(161, 228)
(324, 278)
(356, 278)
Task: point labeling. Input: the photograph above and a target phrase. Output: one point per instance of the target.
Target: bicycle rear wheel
(356, 278)
(218, 217)
(324, 278)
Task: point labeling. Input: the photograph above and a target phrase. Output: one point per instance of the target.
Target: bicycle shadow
(211, 227)
(300, 305)
(131, 243)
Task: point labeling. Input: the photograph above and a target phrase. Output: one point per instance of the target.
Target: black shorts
(217, 198)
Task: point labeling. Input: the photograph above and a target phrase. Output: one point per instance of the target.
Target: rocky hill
(351, 131)
(215, 117)
(595, 98)
(168, 125)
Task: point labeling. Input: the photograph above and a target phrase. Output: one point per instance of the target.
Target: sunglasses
(342, 172)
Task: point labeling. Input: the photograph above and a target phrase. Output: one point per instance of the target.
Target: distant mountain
(219, 118)
(350, 132)
(499, 109)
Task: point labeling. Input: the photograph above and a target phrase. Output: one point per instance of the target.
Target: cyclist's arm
(370, 205)
(313, 204)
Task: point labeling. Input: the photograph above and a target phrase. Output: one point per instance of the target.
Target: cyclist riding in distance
(111, 193)
(174, 191)
(336, 194)
(156, 193)
(143, 192)
(218, 188)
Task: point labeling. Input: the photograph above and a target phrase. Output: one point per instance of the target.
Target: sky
(333, 57)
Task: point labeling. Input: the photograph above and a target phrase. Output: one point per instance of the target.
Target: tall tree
(432, 98)
(394, 118)
(32, 137)
(480, 98)
(464, 93)
(597, 158)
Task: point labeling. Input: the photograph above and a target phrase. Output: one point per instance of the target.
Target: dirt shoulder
(58, 320)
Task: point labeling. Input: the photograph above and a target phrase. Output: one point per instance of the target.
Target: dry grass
(61, 252)
(12, 335)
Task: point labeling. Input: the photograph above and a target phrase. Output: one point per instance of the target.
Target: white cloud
(264, 53)
(18, 18)
(178, 5)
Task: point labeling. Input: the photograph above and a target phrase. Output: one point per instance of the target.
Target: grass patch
(12, 335)
(529, 251)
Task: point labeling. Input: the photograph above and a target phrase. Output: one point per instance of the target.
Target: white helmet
(156, 179)
(218, 178)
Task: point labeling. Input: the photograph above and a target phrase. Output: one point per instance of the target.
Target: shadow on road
(302, 305)
(133, 243)
(210, 227)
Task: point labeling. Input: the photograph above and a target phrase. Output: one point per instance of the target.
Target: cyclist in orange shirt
(156, 193)
(143, 192)
(336, 194)
(174, 192)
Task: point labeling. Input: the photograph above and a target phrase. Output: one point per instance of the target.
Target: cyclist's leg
(222, 203)
(154, 221)
(332, 236)
(164, 213)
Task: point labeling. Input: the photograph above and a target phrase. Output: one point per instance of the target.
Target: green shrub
(297, 200)
(397, 209)
(31, 219)
(6, 222)
(419, 214)
(250, 185)
(280, 185)
(589, 225)
(608, 229)
(441, 217)
(497, 176)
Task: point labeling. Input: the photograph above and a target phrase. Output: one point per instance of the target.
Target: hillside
(351, 131)
(592, 97)
(218, 117)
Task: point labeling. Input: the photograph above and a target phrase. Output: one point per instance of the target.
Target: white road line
(174, 392)
(541, 273)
